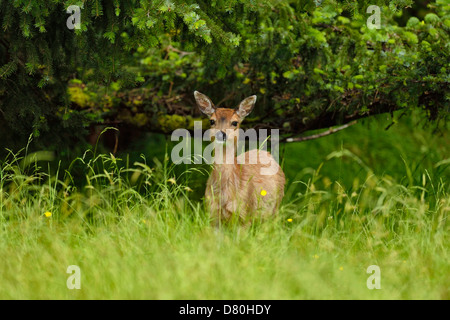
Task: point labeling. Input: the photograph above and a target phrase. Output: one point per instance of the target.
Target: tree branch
(322, 134)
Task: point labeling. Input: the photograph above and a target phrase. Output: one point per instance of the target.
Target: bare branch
(322, 134)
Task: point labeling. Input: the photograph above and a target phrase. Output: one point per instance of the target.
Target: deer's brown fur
(237, 188)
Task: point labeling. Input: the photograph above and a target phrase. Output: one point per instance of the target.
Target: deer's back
(263, 182)
(255, 187)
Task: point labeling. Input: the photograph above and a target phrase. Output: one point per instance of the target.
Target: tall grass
(135, 232)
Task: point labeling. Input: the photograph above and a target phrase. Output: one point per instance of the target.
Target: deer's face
(224, 122)
(224, 125)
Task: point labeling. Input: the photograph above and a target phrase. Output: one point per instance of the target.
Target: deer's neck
(225, 167)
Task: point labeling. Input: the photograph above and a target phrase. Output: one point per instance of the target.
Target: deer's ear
(246, 106)
(204, 103)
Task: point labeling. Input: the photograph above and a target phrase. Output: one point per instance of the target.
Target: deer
(239, 189)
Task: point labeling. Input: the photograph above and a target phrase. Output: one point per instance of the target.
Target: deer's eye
(234, 123)
(212, 122)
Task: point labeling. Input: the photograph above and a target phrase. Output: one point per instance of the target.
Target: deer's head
(225, 122)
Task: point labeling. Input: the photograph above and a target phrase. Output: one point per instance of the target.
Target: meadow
(136, 225)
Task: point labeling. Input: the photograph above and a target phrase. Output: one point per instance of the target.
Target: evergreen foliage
(313, 64)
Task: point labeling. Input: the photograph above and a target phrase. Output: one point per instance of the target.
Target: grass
(358, 198)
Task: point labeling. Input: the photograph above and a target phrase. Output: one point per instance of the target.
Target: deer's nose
(221, 136)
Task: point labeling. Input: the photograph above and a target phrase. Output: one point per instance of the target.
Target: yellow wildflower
(48, 214)
(263, 193)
